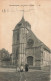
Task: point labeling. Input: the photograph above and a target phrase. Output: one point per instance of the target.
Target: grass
(28, 76)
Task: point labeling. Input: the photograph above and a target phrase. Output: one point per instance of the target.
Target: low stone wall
(35, 68)
(46, 68)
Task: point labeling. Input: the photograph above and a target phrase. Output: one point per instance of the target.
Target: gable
(32, 36)
(37, 42)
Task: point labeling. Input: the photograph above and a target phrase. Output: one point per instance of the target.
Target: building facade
(27, 48)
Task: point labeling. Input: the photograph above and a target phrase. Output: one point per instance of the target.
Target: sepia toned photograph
(25, 40)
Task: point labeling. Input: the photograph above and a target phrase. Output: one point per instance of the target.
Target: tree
(4, 55)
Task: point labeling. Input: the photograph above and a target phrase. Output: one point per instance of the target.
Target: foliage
(4, 55)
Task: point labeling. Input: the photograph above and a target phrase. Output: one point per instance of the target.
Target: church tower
(19, 42)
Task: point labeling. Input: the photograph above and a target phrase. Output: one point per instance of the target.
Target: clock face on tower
(30, 42)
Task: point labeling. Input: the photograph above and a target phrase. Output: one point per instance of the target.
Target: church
(27, 48)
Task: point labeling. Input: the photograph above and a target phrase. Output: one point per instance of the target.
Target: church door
(30, 60)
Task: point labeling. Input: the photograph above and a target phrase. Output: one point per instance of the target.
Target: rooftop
(22, 23)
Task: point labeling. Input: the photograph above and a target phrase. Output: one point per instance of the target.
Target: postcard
(25, 40)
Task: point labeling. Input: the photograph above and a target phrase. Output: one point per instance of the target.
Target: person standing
(26, 67)
(21, 68)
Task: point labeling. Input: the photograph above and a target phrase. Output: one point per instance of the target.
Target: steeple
(23, 23)
(22, 20)
(23, 13)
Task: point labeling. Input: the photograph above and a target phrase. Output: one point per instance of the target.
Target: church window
(17, 51)
(30, 42)
(19, 24)
(18, 35)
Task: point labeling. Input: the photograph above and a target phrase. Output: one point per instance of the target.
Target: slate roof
(22, 23)
(37, 42)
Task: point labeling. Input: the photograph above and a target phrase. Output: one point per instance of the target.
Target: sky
(39, 16)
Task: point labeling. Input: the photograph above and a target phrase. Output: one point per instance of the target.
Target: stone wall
(37, 57)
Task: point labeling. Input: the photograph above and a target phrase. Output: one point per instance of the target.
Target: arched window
(17, 34)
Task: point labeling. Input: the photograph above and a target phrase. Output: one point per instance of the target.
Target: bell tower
(19, 42)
